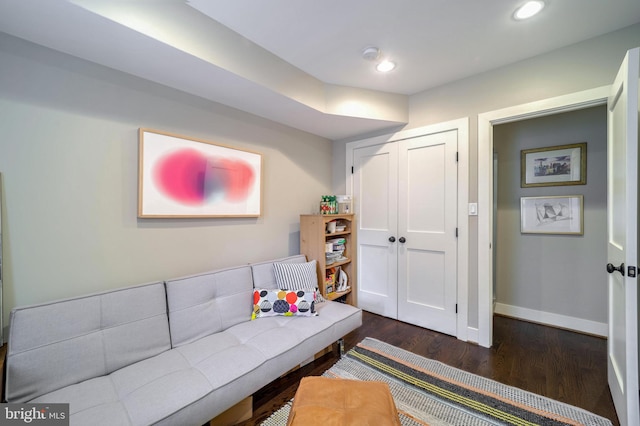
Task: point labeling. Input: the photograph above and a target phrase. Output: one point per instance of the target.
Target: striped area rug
(428, 392)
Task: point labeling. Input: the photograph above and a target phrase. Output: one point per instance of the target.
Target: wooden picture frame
(554, 165)
(181, 177)
(560, 215)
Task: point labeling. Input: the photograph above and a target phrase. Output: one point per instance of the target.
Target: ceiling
(298, 62)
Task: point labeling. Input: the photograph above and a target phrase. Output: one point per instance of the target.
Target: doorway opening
(486, 123)
(545, 273)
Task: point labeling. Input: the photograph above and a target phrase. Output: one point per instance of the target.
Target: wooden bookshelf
(314, 238)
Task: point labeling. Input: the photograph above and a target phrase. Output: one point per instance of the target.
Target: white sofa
(178, 352)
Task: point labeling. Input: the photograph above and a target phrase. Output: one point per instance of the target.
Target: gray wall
(69, 160)
(68, 155)
(582, 66)
(561, 274)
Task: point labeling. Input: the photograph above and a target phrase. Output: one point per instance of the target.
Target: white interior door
(622, 233)
(427, 220)
(375, 204)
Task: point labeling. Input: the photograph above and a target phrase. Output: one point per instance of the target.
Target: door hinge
(456, 232)
(456, 157)
(631, 271)
(456, 308)
(351, 169)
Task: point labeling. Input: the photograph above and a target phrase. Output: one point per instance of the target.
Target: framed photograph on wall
(554, 165)
(562, 214)
(185, 177)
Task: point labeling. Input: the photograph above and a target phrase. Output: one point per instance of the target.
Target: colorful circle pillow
(273, 302)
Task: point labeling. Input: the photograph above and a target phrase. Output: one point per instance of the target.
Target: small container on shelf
(328, 204)
(330, 279)
(344, 203)
(332, 257)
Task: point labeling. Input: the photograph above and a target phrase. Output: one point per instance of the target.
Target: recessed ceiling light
(385, 66)
(529, 9)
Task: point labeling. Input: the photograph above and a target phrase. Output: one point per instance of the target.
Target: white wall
(561, 275)
(582, 66)
(68, 155)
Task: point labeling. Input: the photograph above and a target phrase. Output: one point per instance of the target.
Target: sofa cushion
(53, 345)
(274, 336)
(140, 394)
(263, 274)
(95, 402)
(206, 303)
(221, 358)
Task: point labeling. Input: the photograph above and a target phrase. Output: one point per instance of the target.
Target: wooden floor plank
(559, 364)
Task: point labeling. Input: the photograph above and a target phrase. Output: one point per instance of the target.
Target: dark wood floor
(559, 364)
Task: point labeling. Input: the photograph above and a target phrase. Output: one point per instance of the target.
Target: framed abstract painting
(182, 177)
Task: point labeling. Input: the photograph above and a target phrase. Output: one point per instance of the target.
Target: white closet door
(375, 205)
(427, 221)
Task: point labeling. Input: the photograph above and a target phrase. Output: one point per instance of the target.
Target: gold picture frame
(554, 165)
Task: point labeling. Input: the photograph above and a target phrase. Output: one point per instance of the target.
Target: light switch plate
(473, 209)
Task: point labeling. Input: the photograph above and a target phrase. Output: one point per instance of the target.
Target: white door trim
(462, 127)
(486, 121)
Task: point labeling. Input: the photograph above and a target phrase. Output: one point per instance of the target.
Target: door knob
(402, 240)
(392, 239)
(611, 268)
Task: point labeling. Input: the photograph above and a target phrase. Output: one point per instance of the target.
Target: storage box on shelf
(334, 249)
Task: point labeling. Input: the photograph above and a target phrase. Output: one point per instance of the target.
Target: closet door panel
(427, 221)
(425, 174)
(426, 279)
(375, 204)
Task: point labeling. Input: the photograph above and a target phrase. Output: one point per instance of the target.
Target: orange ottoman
(333, 402)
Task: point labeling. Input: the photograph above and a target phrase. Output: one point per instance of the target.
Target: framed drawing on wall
(561, 214)
(185, 177)
(554, 165)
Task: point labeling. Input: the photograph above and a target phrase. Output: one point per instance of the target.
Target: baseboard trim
(472, 335)
(555, 320)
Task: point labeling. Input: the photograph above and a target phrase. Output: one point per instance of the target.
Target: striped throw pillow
(296, 276)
